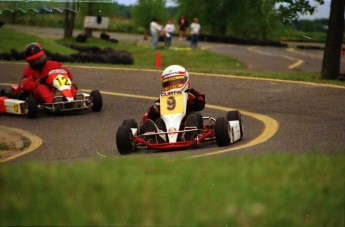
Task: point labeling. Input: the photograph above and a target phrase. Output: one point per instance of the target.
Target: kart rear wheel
(198, 119)
(222, 131)
(97, 101)
(124, 139)
(130, 123)
(161, 124)
(32, 108)
(236, 115)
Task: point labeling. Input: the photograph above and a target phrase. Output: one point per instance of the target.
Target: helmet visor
(174, 82)
(34, 56)
(37, 63)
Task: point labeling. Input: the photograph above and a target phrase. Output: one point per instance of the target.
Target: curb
(16, 142)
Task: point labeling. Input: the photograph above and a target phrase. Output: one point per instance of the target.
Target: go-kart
(170, 130)
(14, 101)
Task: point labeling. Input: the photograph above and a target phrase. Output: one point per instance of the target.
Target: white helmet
(175, 78)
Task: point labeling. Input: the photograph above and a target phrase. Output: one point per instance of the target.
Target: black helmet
(34, 55)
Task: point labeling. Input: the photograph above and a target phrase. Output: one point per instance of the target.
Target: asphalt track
(279, 116)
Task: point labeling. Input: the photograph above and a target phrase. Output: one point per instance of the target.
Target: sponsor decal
(171, 93)
(172, 130)
(174, 73)
(57, 71)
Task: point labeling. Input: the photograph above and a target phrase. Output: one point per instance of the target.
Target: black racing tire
(198, 119)
(235, 115)
(124, 139)
(161, 124)
(97, 101)
(22, 95)
(132, 123)
(32, 107)
(222, 131)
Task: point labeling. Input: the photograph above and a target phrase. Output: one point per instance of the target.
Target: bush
(86, 54)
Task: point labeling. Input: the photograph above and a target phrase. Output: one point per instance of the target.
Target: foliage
(254, 19)
(12, 39)
(317, 25)
(145, 10)
(104, 9)
(289, 10)
(144, 57)
(198, 60)
(258, 19)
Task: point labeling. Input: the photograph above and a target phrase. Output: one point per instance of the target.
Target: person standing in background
(169, 32)
(194, 31)
(155, 29)
(183, 27)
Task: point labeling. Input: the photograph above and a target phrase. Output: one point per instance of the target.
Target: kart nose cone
(68, 94)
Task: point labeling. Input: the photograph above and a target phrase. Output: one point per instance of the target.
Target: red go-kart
(15, 102)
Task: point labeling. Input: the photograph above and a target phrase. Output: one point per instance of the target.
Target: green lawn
(145, 57)
(273, 189)
(198, 60)
(267, 189)
(11, 39)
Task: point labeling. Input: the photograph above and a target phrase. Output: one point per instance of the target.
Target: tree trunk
(331, 56)
(14, 17)
(67, 28)
(69, 21)
(90, 12)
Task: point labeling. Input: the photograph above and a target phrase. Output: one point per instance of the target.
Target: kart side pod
(13, 106)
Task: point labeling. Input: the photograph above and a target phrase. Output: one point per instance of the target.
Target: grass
(239, 190)
(4, 146)
(198, 60)
(144, 56)
(18, 40)
(271, 189)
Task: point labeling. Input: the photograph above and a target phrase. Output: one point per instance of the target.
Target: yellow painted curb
(35, 142)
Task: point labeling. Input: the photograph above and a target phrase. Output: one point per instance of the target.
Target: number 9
(171, 103)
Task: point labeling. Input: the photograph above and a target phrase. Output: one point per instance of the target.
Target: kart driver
(35, 74)
(176, 78)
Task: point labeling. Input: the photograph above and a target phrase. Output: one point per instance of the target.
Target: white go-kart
(175, 130)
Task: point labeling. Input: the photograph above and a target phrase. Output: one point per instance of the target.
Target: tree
(331, 57)
(69, 19)
(89, 8)
(145, 10)
(253, 19)
(243, 14)
(243, 18)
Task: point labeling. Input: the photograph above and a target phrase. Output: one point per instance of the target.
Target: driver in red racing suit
(34, 75)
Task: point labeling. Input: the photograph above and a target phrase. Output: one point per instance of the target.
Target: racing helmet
(175, 78)
(34, 55)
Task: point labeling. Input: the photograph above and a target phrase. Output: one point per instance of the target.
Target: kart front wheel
(132, 123)
(97, 101)
(124, 139)
(32, 108)
(222, 131)
(236, 115)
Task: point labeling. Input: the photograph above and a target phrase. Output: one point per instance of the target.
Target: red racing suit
(195, 102)
(32, 81)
